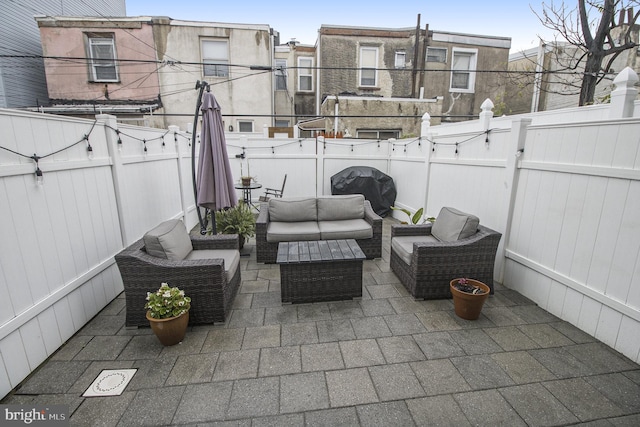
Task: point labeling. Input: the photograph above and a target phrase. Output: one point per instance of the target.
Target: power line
(266, 68)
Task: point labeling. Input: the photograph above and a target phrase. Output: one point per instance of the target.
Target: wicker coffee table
(324, 270)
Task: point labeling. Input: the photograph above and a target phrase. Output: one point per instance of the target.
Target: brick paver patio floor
(384, 360)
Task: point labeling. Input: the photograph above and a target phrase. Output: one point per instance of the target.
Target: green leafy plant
(414, 218)
(167, 302)
(236, 220)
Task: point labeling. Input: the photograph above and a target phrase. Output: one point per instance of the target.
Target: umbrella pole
(203, 221)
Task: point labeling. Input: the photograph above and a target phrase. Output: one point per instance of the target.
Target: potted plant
(245, 179)
(168, 313)
(236, 220)
(416, 217)
(469, 296)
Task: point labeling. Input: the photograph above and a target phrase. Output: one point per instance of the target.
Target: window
(102, 54)
(281, 74)
(401, 59)
(462, 65)
(368, 65)
(377, 134)
(215, 56)
(282, 123)
(436, 54)
(245, 126)
(305, 75)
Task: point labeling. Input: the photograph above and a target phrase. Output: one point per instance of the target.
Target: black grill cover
(377, 187)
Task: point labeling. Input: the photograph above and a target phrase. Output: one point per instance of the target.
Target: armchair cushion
(337, 208)
(231, 258)
(403, 245)
(452, 224)
(293, 210)
(168, 240)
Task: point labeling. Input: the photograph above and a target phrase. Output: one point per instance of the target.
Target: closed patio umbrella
(215, 188)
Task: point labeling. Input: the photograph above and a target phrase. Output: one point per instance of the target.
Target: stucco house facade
(145, 69)
(22, 71)
(405, 72)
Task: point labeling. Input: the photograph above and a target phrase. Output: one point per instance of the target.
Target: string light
(119, 141)
(456, 149)
(89, 148)
(39, 176)
(144, 144)
(433, 147)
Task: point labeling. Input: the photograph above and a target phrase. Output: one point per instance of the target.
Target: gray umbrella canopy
(215, 188)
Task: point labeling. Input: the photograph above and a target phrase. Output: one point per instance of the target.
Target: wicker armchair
(433, 264)
(204, 280)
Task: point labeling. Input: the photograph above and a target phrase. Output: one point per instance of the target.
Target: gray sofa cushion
(345, 229)
(293, 209)
(452, 224)
(292, 231)
(403, 245)
(350, 206)
(168, 240)
(231, 258)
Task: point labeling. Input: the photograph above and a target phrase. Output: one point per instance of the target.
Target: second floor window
(215, 57)
(305, 74)
(368, 66)
(401, 58)
(436, 54)
(463, 65)
(102, 53)
(281, 74)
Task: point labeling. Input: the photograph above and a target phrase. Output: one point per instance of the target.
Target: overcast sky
(301, 20)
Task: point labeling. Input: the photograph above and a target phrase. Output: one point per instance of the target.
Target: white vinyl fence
(562, 187)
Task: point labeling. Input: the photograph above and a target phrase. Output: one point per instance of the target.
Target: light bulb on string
(38, 172)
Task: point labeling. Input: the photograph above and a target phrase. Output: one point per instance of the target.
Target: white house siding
(23, 79)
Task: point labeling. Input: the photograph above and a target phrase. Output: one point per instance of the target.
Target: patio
(382, 360)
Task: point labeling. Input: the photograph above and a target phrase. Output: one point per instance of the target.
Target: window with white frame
(215, 57)
(463, 65)
(401, 59)
(368, 66)
(305, 74)
(437, 54)
(245, 126)
(281, 74)
(102, 54)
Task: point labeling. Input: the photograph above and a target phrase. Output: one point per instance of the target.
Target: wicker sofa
(317, 218)
(206, 268)
(427, 257)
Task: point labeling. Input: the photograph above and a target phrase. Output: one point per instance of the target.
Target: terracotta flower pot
(468, 306)
(170, 331)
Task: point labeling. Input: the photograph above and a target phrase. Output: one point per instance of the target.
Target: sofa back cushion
(341, 207)
(452, 224)
(293, 209)
(168, 240)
